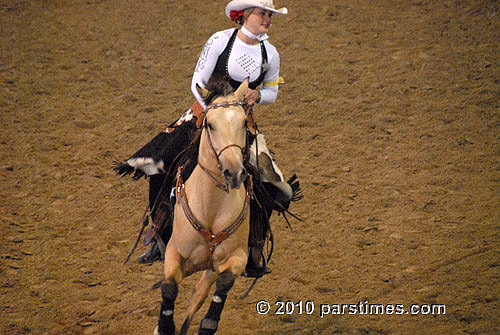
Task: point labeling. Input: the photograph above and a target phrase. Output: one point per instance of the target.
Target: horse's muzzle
(234, 179)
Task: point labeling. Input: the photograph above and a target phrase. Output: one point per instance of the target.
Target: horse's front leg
(225, 281)
(169, 289)
(210, 322)
(199, 295)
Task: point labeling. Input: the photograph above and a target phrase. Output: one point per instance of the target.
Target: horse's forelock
(217, 88)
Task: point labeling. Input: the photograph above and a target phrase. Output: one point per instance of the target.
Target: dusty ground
(389, 114)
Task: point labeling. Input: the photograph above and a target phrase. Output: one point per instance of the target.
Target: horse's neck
(208, 202)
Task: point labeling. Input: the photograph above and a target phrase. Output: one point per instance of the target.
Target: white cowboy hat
(244, 4)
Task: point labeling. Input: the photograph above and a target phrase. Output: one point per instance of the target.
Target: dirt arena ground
(390, 115)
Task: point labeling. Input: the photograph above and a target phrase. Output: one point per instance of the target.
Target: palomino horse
(211, 216)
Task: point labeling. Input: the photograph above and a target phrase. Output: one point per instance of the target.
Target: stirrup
(155, 253)
(253, 270)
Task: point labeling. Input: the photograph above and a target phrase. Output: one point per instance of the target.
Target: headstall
(217, 155)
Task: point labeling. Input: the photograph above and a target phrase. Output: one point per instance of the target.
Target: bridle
(244, 150)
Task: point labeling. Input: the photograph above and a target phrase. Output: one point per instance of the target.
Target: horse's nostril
(243, 174)
(227, 173)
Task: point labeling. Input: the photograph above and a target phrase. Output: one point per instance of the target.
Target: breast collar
(221, 68)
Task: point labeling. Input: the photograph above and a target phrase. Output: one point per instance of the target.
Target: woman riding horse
(228, 56)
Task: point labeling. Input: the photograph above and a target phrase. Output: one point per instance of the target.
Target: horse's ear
(202, 91)
(242, 90)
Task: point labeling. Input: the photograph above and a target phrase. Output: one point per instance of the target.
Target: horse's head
(223, 139)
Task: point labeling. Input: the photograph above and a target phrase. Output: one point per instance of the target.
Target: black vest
(221, 70)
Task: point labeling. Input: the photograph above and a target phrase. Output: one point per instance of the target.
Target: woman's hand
(251, 96)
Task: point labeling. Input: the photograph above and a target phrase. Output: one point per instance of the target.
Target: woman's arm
(269, 90)
(206, 64)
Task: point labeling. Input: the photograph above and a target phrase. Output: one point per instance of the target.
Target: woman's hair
(246, 14)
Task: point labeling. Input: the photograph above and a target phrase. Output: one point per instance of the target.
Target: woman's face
(259, 21)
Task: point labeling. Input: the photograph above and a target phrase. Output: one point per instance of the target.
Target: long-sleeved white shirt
(244, 61)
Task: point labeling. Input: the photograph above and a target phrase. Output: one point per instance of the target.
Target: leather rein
(213, 240)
